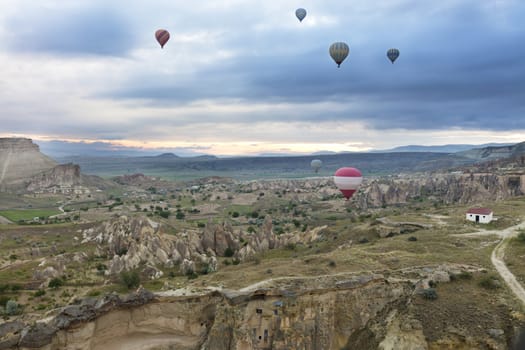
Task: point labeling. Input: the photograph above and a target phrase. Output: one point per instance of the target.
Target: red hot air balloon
(348, 180)
(162, 36)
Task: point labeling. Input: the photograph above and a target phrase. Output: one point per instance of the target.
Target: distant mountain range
(442, 148)
(170, 165)
(60, 150)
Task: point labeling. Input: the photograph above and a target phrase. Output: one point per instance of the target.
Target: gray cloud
(71, 31)
(461, 63)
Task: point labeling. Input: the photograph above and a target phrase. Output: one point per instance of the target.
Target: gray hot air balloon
(300, 13)
(392, 54)
(339, 51)
(316, 164)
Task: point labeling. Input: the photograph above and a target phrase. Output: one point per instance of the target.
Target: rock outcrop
(441, 188)
(60, 176)
(132, 242)
(361, 311)
(20, 158)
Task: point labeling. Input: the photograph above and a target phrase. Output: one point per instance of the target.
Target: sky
(243, 77)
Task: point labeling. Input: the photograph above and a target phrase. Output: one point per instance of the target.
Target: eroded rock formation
(131, 242)
(363, 311)
(20, 158)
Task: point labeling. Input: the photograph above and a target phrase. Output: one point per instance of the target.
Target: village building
(480, 215)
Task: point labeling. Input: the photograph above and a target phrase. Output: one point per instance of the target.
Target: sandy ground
(498, 255)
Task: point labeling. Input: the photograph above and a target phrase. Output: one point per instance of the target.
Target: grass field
(27, 214)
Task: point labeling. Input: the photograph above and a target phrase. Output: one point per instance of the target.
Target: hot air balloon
(300, 13)
(348, 180)
(339, 51)
(162, 36)
(392, 54)
(316, 164)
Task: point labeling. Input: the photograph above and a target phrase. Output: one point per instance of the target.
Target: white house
(482, 215)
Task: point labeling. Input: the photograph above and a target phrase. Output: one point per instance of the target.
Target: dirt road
(498, 254)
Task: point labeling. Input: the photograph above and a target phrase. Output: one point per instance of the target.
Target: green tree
(56, 283)
(130, 279)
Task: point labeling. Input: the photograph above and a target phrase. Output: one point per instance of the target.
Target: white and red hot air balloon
(348, 180)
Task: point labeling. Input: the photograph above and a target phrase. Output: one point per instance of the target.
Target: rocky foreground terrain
(361, 311)
(141, 262)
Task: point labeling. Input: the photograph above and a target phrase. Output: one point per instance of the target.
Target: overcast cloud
(247, 77)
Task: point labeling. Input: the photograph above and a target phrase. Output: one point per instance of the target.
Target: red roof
(480, 211)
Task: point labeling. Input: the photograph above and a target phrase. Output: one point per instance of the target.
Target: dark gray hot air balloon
(316, 164)
(300, 13)
(392, 54)
(338, 52)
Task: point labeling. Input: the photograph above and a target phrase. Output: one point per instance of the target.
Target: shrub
(164, 214)
(228, 252)
(429, 294)
(236, 262)
(122, 251)
(464, 275)
(235, 214)
(192, 275)
(101, 267)
(412, 239)
(490, 282)
(56, 283)
(39, 293)
(201, 224)
(331, 263)
(521, 236)
(130, 279)
(94, 293)
(290, 246)
(12, 308)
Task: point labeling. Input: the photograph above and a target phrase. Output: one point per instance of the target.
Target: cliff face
(63, 175)
(365, 312)
(19, 159)
(445, 188)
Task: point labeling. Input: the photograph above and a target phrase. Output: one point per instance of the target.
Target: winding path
(498, 254)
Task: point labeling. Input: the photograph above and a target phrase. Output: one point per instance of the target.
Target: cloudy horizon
(244, 78)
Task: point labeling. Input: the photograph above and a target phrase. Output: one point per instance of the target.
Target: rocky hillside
(138, 242)
(489, 153)
(441, 188)
(446, 188)
(354, 311)
(24, 168)
(19, 159)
